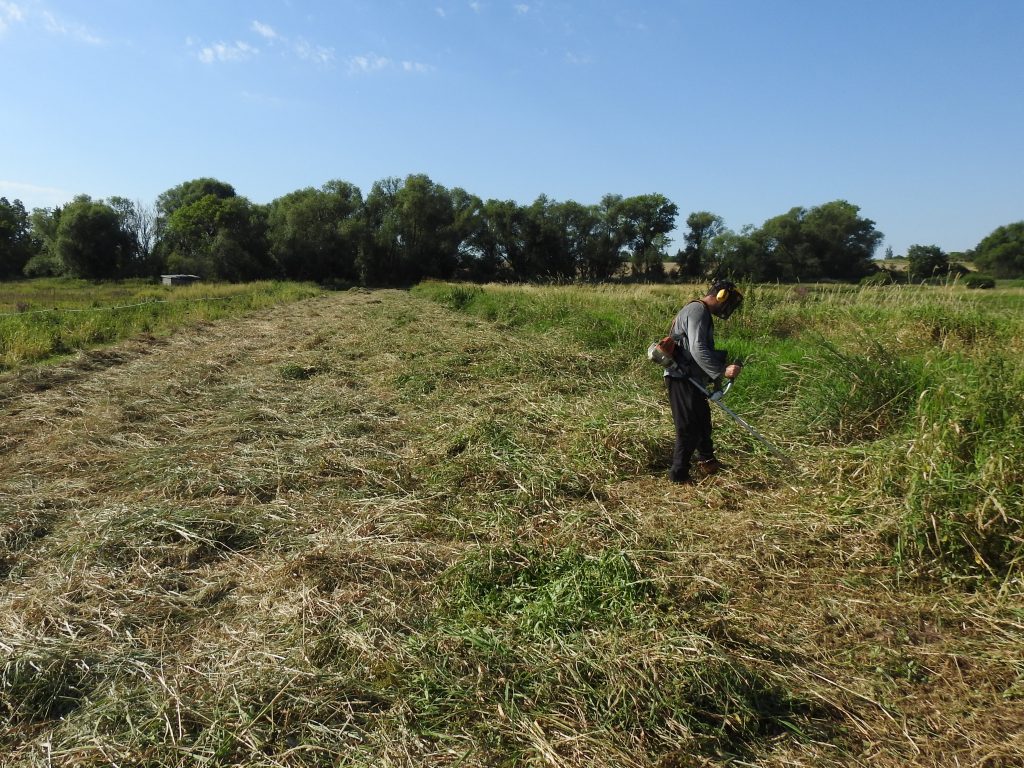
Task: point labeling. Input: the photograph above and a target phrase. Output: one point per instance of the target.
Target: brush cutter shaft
(716, 398)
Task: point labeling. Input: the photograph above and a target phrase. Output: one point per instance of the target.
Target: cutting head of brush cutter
(720, 392)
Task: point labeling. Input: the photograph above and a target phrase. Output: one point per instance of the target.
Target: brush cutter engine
(663, 353)
(660, 352)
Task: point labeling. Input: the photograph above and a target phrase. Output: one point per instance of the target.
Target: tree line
(406, 230)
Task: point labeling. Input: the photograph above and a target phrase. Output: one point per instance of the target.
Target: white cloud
(78, 32)
(358, 65)
(522, 8)
(316, 53)
(415, 66)
(371, 62)
(475, 6)
(33, 195)
(9, 13)
(440, 12)
(14, 13)
(578, 60)
(237, 51)
(264, 30)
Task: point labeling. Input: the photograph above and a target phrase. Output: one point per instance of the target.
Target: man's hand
(732, 371)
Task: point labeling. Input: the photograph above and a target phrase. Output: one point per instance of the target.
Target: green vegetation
(411, 229)
(432, 528)
(41, 319)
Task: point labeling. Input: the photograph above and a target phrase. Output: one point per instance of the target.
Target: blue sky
(911, 109)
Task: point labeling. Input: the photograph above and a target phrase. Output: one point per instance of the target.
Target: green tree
(838, 241)
(646, 221)
(468, 219)
(429, 241)
(743, 254)
(378, 260)
(501, 240)
(1002, 252)
(168, 246)
(190, 192)
(926, 261)
(16, 244)
(410, 232)
(138, 222)
(545, 243)
(46, 262)
(786, 253)
(313, 234)
(606, 251)
(218, 238)
(580, 228)
(702, 227)
(827, 241)
(480, 254)
(90, 241)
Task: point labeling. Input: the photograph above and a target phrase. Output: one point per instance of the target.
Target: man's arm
(700, 338)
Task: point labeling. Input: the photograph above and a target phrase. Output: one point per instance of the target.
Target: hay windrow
(370, 529)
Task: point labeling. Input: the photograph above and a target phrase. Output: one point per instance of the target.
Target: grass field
(432, 528)
(44, 319)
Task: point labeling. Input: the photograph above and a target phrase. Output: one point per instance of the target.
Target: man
(694, 333)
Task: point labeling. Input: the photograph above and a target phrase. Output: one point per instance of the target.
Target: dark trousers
(691, 415)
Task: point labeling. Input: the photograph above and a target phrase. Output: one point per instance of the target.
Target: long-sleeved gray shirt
(694, 330)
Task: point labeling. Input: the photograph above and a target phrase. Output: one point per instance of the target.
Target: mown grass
(43, 319)
(370, 530)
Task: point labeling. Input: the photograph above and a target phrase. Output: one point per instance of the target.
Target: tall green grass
(42, 319)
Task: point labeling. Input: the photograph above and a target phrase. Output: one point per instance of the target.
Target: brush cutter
(658, 353)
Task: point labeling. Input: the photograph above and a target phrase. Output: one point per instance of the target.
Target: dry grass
(366, 530)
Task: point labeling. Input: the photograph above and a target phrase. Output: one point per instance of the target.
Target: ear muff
(729, 299)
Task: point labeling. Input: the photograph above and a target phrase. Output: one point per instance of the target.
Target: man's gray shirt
(693, 329)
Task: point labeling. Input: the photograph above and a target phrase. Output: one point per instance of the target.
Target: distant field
(41, 319)
(432, 528)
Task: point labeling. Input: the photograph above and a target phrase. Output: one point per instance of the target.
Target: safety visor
(731, 304)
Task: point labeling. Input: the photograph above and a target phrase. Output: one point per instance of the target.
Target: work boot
(680, 479)
(708, 467)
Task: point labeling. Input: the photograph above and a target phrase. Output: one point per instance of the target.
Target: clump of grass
(961, 479)
(302, 372)
(566, 590)
(843, 397)
(457, 297)
(43, 682)
(18, 530)
(169, 537)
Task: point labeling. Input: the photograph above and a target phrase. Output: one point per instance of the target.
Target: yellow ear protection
(729, 298)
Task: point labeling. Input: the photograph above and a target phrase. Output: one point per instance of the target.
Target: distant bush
(884, 277)
(43, 265)
(978, 282)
